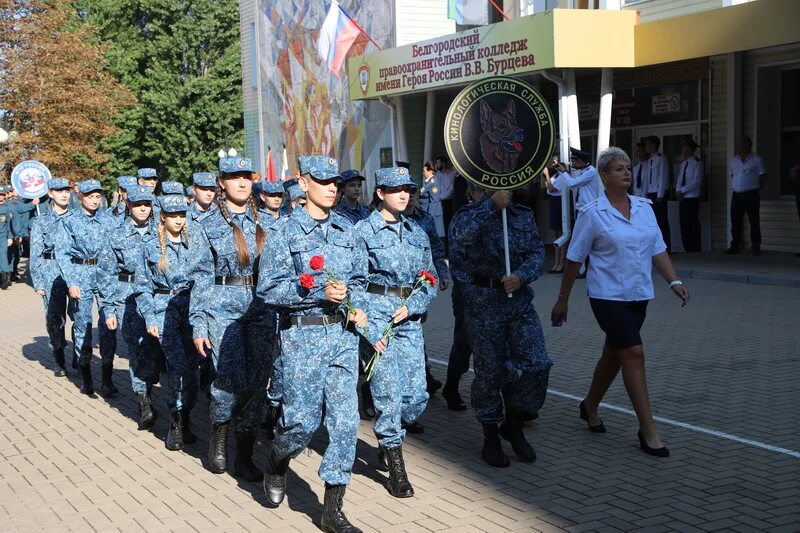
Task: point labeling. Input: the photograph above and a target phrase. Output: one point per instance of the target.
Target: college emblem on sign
(29, 179)
(363, 78)
(499, 133)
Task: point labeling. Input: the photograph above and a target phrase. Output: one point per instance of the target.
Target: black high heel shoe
(599, 428)
(655, 452)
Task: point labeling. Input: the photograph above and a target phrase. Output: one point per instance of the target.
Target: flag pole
(494, 4)
(360, 28)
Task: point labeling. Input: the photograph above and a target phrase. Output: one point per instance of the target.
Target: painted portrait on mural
(305, 105)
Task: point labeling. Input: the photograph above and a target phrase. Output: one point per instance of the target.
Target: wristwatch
(676, 282)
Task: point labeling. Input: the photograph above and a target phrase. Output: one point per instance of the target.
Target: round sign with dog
(499, 133)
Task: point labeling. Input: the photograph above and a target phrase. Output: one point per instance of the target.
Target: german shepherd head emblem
(501, 140)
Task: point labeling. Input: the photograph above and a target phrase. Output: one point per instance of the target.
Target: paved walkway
(723, 376)
(771, 268)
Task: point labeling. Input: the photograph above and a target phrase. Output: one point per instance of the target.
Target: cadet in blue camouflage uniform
(350, 205)
(228, 318)
(460, 352)
(294, 196)
(82, 239)
(6, 236)
(149, 177)
(204, 188)
(123, 183)
(398, 251)
(270, 195)
(511, 363)
(45, 274)
(162, 291)
(319, 355)
(116, 277)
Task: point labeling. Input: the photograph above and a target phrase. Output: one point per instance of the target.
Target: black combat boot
(174, 440)
(333, 518)
(218, 448)
(275, 479)
(60, 371)
(5, 280)
(399, 486)
(87, 387)
(107, 388)
(188, 435)
(243, 465)
(271, 420)
(147, 415)
(511, 430)
(492, 451)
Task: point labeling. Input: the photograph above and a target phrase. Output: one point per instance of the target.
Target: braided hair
(163, 262)
(242, 254)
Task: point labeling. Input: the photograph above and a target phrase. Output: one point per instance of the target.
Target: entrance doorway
(672, 136)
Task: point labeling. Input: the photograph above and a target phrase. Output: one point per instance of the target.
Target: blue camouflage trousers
(80, 311)
(180, 357)
(242, 352)
(398, 384)
(55, 306)
(320, 371)
(144, 352)
(510, 357)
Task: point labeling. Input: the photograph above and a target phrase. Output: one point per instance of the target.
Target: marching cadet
(688, 187)
(149, 177)
(188, 192)
(319, 354)
(123, 184)
(171, 187)
(82, 240)
(510, 358)
(658, 186)
(116, 277)
(45, 274)
(6, 237)
(204, 187)
(163, 287)
(271, 195)
(227, 318)
(399, 255)
(350, 205)
(294, 196)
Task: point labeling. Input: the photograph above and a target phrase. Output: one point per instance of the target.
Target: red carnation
(306, 281)
(427, 277)
(317, 262)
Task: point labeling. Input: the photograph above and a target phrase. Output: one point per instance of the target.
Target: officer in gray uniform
(82, 239)
(510, 358)
(319, 354)
(45, 274)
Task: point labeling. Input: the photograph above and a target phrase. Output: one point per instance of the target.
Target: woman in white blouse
(620, 234)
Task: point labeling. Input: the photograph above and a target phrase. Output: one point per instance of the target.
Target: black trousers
(749, 203)
(458, 364)
(661, 211)
(447, 212)
(689, 209)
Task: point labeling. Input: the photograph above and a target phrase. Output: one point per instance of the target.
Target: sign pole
(505, 246)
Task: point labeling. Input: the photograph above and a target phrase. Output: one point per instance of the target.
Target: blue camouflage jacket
(82, 236)
(353, 215)
(479, 238)
(149, 277)
(212, 253)
(44, 233)
(125, 247)
(426, 222)
(291, 243)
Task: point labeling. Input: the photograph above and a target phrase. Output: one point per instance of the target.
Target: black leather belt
(245, 281)
(127, 278)
(383, 290)
(49, 255)
(173, 292)
(92, 261)
(486, 281)
(312, 320)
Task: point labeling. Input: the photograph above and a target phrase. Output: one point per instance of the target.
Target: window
(790, 130)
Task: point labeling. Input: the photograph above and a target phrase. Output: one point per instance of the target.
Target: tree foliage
(182, 60)
(55, 90)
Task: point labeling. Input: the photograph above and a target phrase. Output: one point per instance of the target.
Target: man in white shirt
(688, 186)
(748, 174)
(584, 180)
(641, 171)
(658, 186)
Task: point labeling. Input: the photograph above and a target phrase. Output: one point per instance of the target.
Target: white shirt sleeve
(664, 171)
(582, 238)
(694, 179)
(762, 169)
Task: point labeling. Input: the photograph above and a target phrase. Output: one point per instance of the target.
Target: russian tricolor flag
(336, 37)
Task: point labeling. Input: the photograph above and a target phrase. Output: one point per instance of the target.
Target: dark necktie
(683, 175)
(639, 177)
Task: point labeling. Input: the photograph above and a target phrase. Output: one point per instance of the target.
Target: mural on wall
(306, 106)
